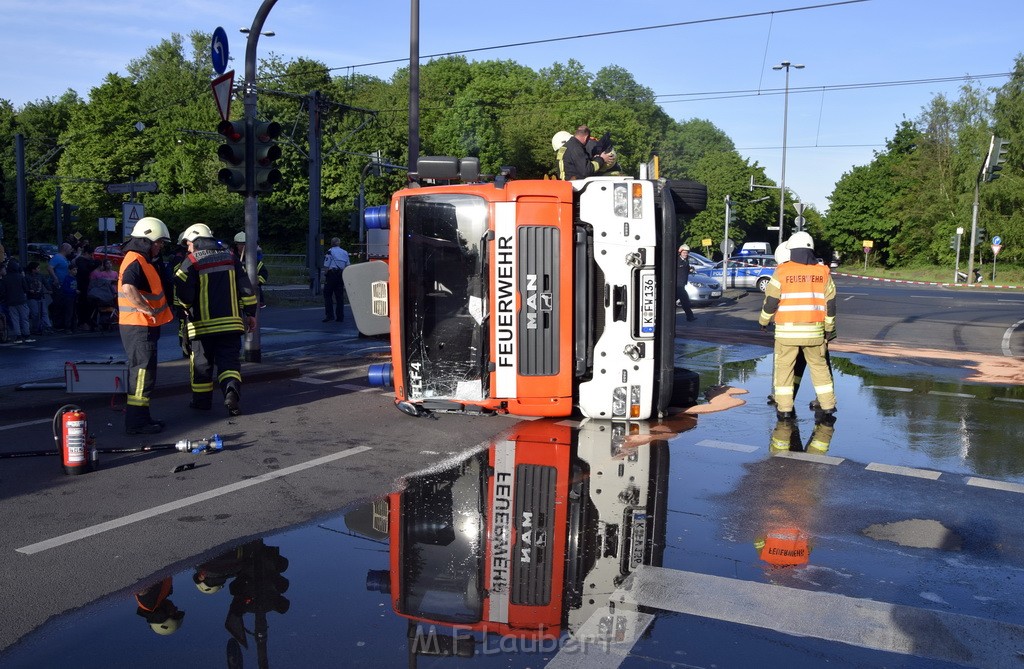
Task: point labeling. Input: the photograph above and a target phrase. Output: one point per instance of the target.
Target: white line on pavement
(727, 445)
(26, 423)
(187, 501)
(866, 623)
(1007, 335)
(903, 471)
(945, 394)
(1009, 399)
(809, 457)
(995, 485)
(901, 390)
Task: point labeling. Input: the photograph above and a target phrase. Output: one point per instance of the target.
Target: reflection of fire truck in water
(527, 538)
(526, 297)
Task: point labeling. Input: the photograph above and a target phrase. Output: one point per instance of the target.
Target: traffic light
(996, 158)
(232, 153)
(68, 214)
(982, 236)
(257, 588)
(265, 152)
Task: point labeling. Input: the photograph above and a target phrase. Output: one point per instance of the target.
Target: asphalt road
(315, 438)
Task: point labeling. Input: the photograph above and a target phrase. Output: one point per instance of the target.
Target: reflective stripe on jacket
(212, 287)
(801, 298)
(128, 314)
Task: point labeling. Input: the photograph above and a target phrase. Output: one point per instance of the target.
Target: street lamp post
(785, 123)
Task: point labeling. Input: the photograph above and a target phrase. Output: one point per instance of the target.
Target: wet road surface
(889, 539)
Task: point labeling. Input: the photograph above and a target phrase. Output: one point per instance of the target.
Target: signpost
(868, 244)
(107, 225)
(133, 188)
(219, 50)
(800, 221)
(997, 245)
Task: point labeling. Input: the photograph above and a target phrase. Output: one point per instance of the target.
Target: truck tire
(685, 387)
(691, 197)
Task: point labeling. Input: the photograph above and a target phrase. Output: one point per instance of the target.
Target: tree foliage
(909, 199)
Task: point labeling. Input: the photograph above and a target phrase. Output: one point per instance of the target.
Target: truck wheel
(685, 387)
(691, 197)
(762, 283)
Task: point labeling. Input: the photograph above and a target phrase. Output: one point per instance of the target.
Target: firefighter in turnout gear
(801, 298)
(219, 305)
(142, 308)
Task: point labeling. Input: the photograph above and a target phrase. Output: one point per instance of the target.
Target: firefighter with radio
(142, 309)
(219, 305)
(801, 298)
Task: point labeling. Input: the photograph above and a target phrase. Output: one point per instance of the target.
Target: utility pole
(315, 165)
(414, 84)
(252, 241)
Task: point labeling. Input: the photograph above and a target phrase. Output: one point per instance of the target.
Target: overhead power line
(604, 33)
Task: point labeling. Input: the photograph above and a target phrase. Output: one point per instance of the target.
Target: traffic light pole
(974, 233)
(252, 241)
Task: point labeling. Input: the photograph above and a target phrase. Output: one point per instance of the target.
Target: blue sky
(717, 66)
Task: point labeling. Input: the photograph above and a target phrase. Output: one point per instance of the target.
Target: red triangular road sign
(222, 86)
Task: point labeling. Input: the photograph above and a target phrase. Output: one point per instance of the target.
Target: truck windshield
(442, 536)
(444, 292)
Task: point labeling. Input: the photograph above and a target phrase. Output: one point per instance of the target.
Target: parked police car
(746, 270)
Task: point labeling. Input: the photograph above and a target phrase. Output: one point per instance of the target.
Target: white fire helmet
(240, 238)
(195, 231)
(152, 229)
(559, 140)
(800, 240)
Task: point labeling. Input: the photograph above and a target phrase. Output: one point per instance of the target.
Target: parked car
(41, 252)
(702, 289)
(699, 262)
(747, 271)
(111, 252)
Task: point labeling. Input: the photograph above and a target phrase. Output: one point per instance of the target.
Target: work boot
(825, 416)
(786, 415)
(231, 402)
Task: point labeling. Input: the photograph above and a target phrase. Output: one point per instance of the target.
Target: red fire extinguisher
(71, 434)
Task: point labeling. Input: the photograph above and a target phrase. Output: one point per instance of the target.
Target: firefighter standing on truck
(576, 162)
(142, 309)
(219, 306)
(801, 297)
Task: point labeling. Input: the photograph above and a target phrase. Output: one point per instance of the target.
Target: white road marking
(944, 394)
(903, 471)
(187, 501)
(809, 457)
(901, 390)
(1009, 399)
(1008, 335)
(861, 622)
(727, 445)
(932, 297)
(995, 485)
(14, 426)
(356, 388)
(314, 380)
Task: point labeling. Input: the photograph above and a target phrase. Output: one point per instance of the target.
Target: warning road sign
(131, 212)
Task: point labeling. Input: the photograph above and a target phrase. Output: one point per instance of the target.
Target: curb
(928, 283)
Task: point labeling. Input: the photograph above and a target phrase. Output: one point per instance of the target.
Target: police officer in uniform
(142, 309)
(219, 306)
(801, 298)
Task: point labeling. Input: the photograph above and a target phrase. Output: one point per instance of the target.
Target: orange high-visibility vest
(802, 298)
(127, 313)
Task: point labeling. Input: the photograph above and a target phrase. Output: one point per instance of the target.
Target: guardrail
(286, 269)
